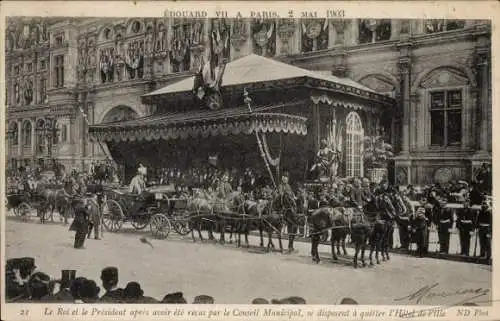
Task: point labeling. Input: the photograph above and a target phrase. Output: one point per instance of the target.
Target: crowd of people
(24, 283)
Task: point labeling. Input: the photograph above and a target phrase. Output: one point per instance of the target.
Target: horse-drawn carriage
(156, 208)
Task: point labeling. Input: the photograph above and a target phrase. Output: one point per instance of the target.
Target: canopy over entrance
(258, 70)
(200, 123)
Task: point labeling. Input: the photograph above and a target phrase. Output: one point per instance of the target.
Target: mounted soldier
(288, 205)
(138, 183)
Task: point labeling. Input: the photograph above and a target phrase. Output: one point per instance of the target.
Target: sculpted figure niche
(106, 65)
(28, 91)
(180, 55)
(314, 35)
(264, 37)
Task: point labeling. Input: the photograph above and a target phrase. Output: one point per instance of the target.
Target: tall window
(446, 118)
(59, 71)
(43, 91)
(354, 144)
(27, 133)
(371, 30)
(40, 138)
(440, 25)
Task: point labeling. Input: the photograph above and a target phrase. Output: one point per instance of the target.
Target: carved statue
(28, 92)
(196, 36)
(327, 161)
(161, 40)
(16, 93)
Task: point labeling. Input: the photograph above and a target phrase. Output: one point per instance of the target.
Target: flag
(199, 82)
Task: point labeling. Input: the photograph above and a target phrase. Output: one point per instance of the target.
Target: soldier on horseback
(289, 207)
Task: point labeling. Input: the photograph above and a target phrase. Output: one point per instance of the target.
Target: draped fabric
(183, 126)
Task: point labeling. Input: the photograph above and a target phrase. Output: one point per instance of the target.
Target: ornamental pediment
(444, 78)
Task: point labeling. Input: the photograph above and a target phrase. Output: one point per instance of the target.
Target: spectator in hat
(134, 294)
(203, 299)
(75, 288)
(89, 291)
(260, 301)
(17, 274)
(348, 301)
(109, 279)
(39, 288)
(289, 300)
(174, 298)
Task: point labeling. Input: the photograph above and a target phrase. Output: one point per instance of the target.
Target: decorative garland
(275, 162)
(263, 155)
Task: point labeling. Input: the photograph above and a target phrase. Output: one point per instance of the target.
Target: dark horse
(324, 219)
(380, 212)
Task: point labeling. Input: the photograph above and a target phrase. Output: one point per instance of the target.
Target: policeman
(465, 227)
(484, 222)
(444, 229)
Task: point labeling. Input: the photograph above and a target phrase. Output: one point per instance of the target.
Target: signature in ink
(431, 292)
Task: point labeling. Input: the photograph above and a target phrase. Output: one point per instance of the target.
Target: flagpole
(86, 118)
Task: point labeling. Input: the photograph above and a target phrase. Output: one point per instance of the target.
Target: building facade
(64, 74)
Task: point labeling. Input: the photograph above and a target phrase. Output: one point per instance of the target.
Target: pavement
(238, 275)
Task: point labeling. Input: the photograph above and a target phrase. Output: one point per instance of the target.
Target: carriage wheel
(23, 210)
(182, 227)
(140, 222)
(112, 216)
(160, 226)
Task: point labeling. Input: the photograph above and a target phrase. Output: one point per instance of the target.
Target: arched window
(354, 145)
(27, 133)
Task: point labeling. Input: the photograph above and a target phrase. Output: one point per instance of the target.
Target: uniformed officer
(484, 222)
(444, 229)
(465, 225)
(288, 198)
(403, 221)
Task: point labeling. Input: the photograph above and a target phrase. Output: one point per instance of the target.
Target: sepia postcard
(241, 160)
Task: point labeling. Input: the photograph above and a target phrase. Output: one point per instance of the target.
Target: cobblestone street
(237, 276)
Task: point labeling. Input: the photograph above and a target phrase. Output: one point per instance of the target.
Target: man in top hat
(109, 278)
(138, 183)
(64, 294)
(485, 229)
(465, 226)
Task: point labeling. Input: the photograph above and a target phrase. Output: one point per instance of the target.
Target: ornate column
(404, 66)
(484, 76)
(20, 138)
(33, 138)
(340, 27)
